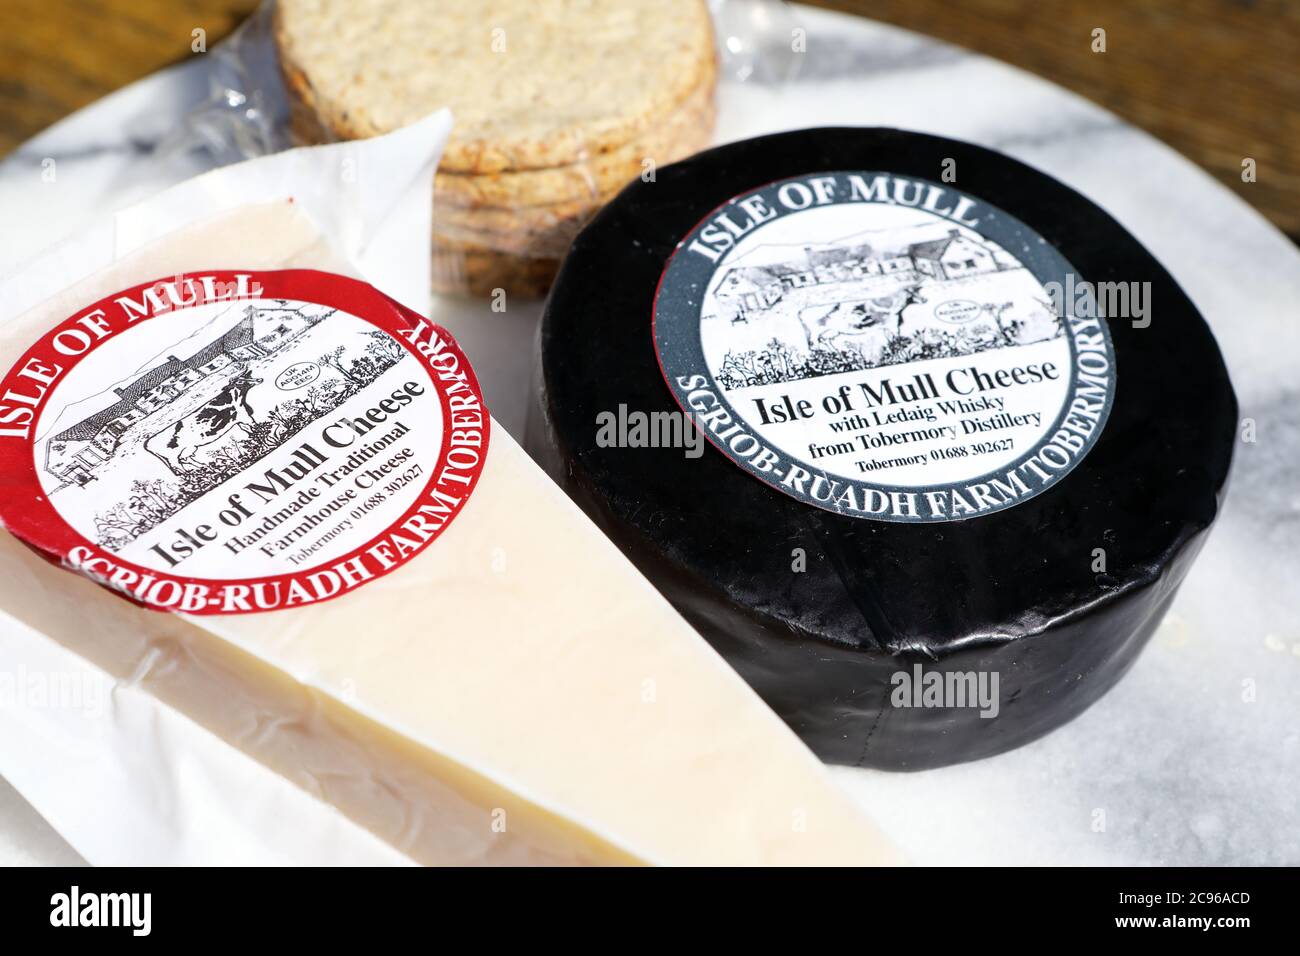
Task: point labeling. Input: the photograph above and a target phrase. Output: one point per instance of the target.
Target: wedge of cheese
(515, 694)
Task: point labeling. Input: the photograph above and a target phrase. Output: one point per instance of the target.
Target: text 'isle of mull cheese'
(964, 434)
(327, 553)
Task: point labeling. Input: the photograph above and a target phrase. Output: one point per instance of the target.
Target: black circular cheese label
(884, 347)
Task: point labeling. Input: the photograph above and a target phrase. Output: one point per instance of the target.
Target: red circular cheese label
(228, 442)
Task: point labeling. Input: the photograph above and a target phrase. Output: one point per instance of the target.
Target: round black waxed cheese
(963, 434)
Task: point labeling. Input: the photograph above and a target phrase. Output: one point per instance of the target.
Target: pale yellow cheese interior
(517, 693)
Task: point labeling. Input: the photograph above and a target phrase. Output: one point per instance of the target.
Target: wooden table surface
(1216, 79)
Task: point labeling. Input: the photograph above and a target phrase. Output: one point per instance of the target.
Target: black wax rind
(1012, 592)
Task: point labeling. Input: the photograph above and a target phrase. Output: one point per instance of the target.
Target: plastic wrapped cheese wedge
(326, 554)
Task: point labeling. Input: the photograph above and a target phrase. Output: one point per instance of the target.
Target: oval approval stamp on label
(228, 442)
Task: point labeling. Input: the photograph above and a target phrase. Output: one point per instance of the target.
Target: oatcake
(532, 83)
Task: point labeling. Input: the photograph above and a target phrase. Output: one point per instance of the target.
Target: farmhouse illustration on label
(210, 405)
(779, 315)
(74, 453)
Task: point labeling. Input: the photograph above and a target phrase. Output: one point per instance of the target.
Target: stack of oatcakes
(557, 105)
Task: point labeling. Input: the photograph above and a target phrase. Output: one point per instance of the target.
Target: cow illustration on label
(210, 423)
(868, 326)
